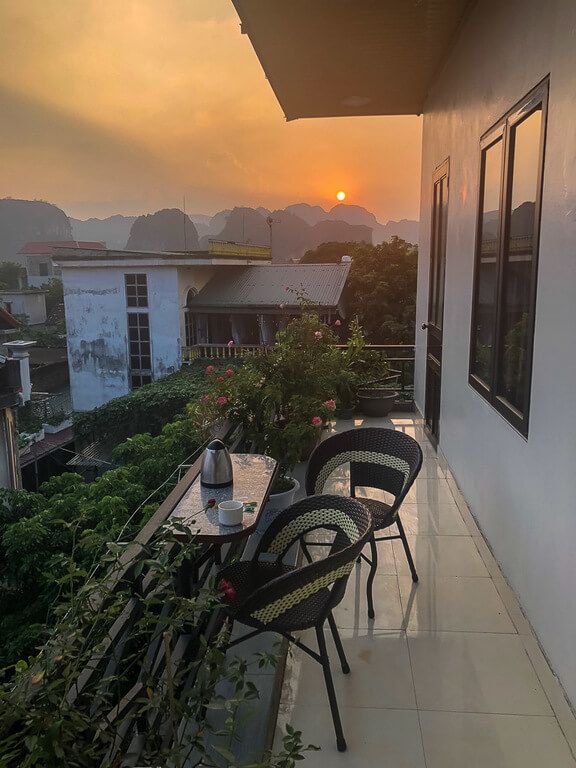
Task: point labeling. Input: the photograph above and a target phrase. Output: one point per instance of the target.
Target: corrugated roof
(46, 246)
(274, 284)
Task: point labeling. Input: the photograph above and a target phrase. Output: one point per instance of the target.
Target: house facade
(27, 303)
(36, 257)
(496, 315)
(132, 317)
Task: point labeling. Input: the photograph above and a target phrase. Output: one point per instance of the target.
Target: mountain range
(294, 229)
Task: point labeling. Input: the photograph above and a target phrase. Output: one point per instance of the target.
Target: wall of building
(97, 330)
(33, 305)
(522, 492)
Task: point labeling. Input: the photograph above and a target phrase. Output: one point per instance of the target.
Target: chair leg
(373, 569)
(407, 549)
(305, 550)
(338, 644)
(340, 740)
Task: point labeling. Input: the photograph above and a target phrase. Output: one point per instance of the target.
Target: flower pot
(374, 402)
(280, 501)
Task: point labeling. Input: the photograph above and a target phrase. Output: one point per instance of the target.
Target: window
(136, 290)
(139, 348)
(43, 268)
(511, 168)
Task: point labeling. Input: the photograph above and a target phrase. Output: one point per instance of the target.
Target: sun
(341, 196)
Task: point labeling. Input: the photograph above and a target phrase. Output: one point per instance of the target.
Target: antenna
(270, 221)
(184, 219)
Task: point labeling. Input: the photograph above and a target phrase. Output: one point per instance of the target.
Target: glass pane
(486, 278)
(518, 258)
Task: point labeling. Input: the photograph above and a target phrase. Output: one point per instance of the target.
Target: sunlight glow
(341, 196)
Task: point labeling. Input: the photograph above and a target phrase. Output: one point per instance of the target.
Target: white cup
(230, 512)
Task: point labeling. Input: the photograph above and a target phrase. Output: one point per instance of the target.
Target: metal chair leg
(407, 549)
(338, 644)
(373, 569)
(340, 740)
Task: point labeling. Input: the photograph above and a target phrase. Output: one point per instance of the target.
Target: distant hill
(292, 236)
(311, 214)
(163, 231)
(114, 230)
(24, 220)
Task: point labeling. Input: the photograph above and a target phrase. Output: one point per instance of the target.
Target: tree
(381, 286)
(11, 275)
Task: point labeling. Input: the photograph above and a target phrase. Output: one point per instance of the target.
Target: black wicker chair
(379, 458)
(272, 596)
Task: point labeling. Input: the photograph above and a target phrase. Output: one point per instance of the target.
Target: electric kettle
(216, 466)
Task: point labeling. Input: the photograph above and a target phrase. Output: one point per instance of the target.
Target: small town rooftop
(272, 286)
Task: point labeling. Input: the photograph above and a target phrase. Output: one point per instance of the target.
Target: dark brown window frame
(139, 374)
(535, 99)
(136, 287)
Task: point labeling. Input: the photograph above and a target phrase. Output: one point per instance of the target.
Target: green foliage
(69, 515)
(46, 336)
(11, 275)
(54, 300)
(145, 409)
(381, 286)
(41, 726)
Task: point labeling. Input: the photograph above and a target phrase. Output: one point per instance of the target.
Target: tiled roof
(274, 284)
(46, 246)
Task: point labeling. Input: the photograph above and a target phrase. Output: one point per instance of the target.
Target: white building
(27, 303)
(131, 316)
(36, 256)
(496, 356)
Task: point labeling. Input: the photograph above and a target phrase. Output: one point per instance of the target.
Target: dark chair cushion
(382, 514)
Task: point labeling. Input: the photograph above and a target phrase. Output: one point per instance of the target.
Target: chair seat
(248, 576)
(382, 515)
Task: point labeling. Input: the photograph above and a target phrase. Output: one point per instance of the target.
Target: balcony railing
(399, 356)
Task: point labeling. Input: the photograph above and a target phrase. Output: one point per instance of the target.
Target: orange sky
(124, 106)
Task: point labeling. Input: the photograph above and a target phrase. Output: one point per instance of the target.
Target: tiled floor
(449, 673)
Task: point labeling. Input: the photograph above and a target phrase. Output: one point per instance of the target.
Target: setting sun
(341, 195)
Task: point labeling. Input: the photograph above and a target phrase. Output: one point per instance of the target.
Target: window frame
(503, 130)
(140, 298)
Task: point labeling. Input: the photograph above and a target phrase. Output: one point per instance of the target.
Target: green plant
(280, 399)
(46, 721)
(56, 418)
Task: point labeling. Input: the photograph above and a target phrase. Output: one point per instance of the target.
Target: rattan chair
(272, 596)
(379, 458)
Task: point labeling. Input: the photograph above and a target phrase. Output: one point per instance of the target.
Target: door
(436, 301)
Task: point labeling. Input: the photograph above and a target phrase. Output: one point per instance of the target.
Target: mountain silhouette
(163, 231)
(113, 230)
(25, 220)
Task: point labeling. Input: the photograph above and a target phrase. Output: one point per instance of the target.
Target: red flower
(222, 400)
(231, 343)
(227, 588)
(220, 378)
(205, 398)
(338, 323)
(211, 503)
(330, 404)
(229, 372)
(210, 369)
(316, 421)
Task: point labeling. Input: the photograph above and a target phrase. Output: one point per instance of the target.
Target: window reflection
(486, 279)
(518, 257)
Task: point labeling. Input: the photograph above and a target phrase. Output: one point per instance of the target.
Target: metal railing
(399, 356)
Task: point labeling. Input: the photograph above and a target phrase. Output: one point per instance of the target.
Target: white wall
(522, 492)
(96, 323)
(31, 304)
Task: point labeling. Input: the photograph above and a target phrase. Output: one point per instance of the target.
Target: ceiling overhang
(336, 58)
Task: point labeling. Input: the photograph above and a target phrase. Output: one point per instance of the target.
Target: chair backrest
(352, 525)
(379, 458)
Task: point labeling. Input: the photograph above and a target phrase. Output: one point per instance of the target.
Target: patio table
(253, 477)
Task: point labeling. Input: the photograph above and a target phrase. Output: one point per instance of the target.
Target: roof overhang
(336, 58)
(91, 257)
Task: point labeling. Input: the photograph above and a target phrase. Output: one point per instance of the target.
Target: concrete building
(36, 257)
(496, 315)
(27, 303)
(130, 315)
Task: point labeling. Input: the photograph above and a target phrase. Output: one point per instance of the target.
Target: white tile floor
(449, 673)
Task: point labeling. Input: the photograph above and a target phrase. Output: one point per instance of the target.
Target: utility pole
(184, 219)
(270, 221)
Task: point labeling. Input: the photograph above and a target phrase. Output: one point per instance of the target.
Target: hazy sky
(124, 106)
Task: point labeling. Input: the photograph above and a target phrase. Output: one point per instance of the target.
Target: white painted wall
(31, 304)
(96, 323)
(522, 492)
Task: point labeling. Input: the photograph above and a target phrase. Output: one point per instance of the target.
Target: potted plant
(57, 422)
